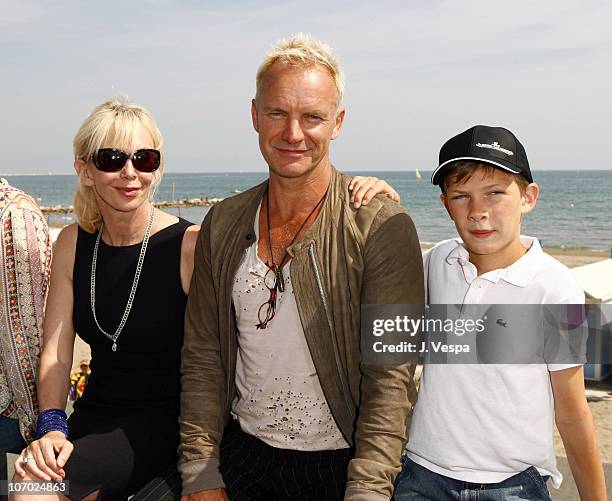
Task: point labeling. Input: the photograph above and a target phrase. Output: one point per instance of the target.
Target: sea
(573, 210)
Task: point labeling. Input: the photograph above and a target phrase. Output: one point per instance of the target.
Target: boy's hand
(363, 189)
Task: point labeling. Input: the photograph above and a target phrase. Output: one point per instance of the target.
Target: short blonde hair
(303, 51)
(118, 119)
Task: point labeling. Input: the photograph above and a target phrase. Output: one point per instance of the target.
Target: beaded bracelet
(52, 420)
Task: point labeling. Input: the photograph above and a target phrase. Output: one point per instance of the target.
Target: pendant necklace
(130, 301)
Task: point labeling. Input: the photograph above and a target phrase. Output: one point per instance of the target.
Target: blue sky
(417, 72)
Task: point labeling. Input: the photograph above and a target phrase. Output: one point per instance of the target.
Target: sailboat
(417, 174)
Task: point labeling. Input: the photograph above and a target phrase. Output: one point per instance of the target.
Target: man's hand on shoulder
(210, 495)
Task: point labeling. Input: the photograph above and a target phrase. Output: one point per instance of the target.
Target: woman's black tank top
(144, 372)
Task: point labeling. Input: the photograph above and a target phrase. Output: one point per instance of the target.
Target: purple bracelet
(51, 420)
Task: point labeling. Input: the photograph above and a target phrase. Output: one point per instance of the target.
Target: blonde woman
(119, 278)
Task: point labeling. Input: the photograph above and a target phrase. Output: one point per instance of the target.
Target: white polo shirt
(486, 423)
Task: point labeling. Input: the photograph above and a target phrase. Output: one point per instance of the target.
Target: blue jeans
(418, 483)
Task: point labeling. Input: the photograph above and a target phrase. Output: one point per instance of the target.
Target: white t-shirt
(279, 397)
(486, 423)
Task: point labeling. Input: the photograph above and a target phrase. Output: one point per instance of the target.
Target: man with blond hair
(276, 401)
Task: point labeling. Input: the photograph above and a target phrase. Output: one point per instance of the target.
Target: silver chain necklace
(130, 301)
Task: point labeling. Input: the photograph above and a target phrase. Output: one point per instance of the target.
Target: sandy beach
(577, 257)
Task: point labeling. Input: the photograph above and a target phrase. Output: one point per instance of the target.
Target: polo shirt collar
(519, 273)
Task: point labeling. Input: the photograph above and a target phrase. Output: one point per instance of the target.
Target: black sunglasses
(112, 160)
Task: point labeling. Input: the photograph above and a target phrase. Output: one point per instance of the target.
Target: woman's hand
(363, 189)
(45, 458)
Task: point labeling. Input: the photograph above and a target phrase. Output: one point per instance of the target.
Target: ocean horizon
(573, 209)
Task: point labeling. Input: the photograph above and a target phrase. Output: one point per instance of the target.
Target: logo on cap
(495, 146)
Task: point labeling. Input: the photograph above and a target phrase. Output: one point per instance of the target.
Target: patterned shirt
(25, 261)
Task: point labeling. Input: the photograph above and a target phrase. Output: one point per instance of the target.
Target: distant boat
(417, 173)
(236, 190)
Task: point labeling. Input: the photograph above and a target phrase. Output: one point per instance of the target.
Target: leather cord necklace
(279, 282)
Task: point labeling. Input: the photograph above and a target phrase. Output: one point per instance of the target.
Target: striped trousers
(254, 471)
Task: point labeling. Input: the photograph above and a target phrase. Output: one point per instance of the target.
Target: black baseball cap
(495, 146)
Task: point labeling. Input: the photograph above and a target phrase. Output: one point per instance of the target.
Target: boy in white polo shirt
(486, 431)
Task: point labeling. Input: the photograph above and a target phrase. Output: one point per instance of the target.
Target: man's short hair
(303, 51)
(461, 172)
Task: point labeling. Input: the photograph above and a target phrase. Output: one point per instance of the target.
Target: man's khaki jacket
(346, 258)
